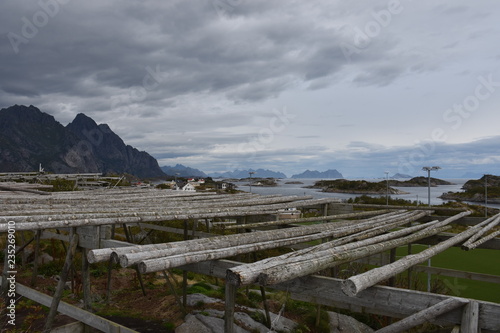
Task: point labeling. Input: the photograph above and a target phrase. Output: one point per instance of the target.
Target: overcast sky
(358, 86)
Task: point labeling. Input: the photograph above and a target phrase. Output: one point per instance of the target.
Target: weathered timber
(174, 230)
(72, 311)
(424, 316)
(484, 240)
(272, 270)
(162, 263)
(307, 219)
(495, 220)
(141, 209)
(227, 241)
(323, 260)
(470, 318)
(355, 284)
(152, 261)
(380, 300)
(458, 274)
(249, 273)
(410, 207)
(172, 215)
(219, 242)
(230, 301)
(22, 189)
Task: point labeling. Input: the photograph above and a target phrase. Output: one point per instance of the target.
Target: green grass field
(479, 261)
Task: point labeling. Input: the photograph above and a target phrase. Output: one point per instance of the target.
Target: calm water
(415, 193)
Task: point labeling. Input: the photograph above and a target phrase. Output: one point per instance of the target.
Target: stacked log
(280, 269)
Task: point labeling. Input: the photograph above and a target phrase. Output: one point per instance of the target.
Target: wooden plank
(381, 300)
(72, 311)
(173, 230)
(458, 274)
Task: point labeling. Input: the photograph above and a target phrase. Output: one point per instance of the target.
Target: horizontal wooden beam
(381, 300)
(458, 274)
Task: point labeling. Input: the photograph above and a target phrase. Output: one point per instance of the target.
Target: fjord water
(414, 193)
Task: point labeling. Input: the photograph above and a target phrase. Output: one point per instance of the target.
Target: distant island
(418, 182)
(400, 176)
(328, 174)
(354, 187)
(474, 190)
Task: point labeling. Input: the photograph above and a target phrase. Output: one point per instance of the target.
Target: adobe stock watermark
(30, 26)
(363, 36)
(278, 122)
(225, 8)
(453, 118)
(10, 283)
(151, 81)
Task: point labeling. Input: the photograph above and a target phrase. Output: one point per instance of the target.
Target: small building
(183, 186)
(224, 186)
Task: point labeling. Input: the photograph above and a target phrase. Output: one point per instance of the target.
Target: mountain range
(183, 171)
(29, 137)
(259, 173)
(328, 174)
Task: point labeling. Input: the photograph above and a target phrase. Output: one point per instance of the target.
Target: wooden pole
(230, 299)
(308, 219)
(470, 318)
(424, 316)
(483, 240)
(139, 276)
(38, 233)
(184, 272)
(327, 255)
(87, 296)
(129, 255)
(62, 281)
(108, 285)
(305, 265)
(360, 282)
(495, 221)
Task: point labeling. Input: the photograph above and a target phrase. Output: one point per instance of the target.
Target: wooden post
(409, 268)
(470, 318)
(229, 308)
(184, 272)
(87, 298)
(174, 292)
(62, 281)
(392, 258)
(139, 276)
(108, 285)
(37, 253)
(424, 315)
(207, 224)
(318, 316)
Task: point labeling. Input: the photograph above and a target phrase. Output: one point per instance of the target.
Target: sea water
(413, 193)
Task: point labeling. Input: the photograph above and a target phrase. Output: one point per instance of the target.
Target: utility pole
(387, 189)
(429, 169)
(251, 173)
